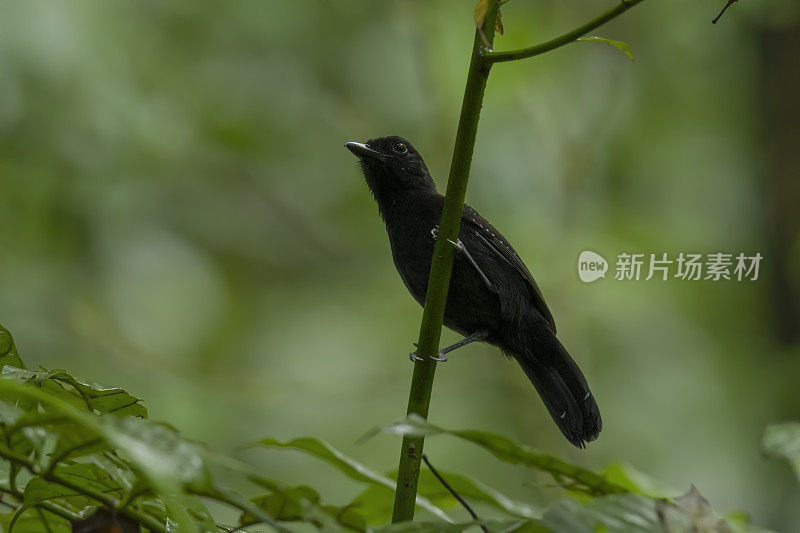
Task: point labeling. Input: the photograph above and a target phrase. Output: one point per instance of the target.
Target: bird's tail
(563, 389)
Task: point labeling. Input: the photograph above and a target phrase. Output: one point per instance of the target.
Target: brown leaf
(480, 13)
(498, 25)
(480, 18)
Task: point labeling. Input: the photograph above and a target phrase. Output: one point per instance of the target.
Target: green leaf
(168, 462)
(572, 477)
(91, 476)
(505, 526)
(634, 513)
(35, 521)
(782, 441)
(430, 487)
(302, 503)
(376, 504)
(38, 430)
(633, 480)
(619, 45)
(350, 467)
(8, 352)
(91, 397)
(631, 513)
(38, 491)
(167, 459)
(289, 505)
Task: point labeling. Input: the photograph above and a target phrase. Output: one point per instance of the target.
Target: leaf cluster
(77, 456)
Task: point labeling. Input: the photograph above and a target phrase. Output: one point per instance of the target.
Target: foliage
(82, 457)
(782, 441)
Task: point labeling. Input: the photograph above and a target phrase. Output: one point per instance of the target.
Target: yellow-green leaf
(619, 45)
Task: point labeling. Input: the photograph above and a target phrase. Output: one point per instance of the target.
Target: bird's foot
(459, 246)
(414, 357)
(442, 358)
(435, 232)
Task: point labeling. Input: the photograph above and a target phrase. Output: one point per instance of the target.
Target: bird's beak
(361, 150)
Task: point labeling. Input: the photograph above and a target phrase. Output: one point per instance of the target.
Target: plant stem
(455, 494)
(419, 397)
(567, 38)
(441, 266)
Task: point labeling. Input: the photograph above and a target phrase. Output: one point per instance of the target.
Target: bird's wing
(503, 250)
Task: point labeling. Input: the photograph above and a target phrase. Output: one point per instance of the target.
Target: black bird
(492, 297)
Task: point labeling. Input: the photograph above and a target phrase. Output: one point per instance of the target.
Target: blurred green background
(179, 218)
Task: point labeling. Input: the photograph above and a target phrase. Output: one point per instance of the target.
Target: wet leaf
(169, 463)
(505, 526)
(572, 477)
(348, 466)
(291, 504)
(430, 487)
(619, 45)
(34, 520)
(88, 396)
(376, 504)
(631, 513)
(8, 352)
(302, 503)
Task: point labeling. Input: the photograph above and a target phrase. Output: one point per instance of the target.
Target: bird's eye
(400, 148)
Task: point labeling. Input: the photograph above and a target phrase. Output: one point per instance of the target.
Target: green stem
(441, 265)
(567, 38)
(419, 397)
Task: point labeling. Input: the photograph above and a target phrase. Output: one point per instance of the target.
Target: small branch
(419, 396)
(558, 42)
(724, 9)
(452, 491)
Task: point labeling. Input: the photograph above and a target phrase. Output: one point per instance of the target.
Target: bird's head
(392, 167)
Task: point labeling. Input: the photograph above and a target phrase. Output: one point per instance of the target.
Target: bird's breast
(412, 250)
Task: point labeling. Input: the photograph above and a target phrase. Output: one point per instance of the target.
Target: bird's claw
(459, 246)
(435, 232)
(440, 358)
